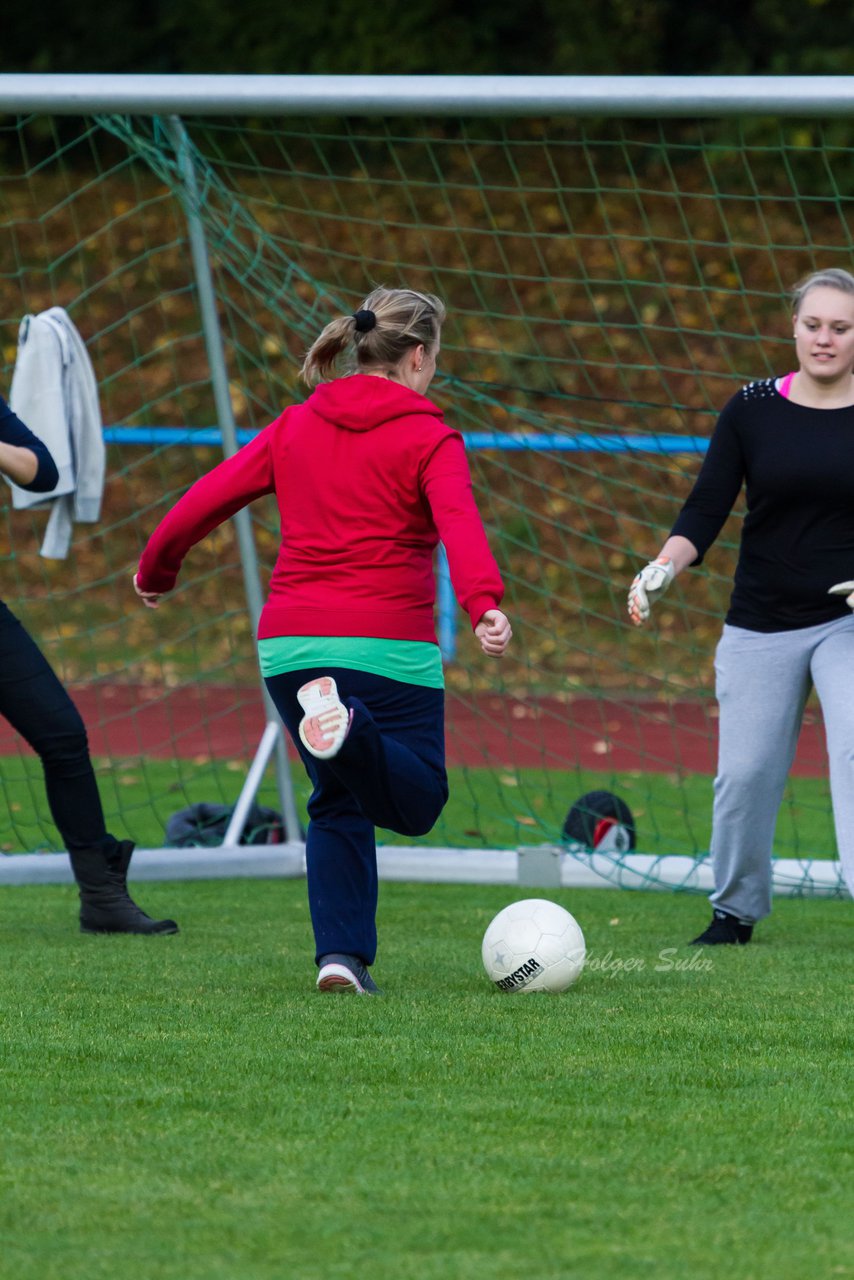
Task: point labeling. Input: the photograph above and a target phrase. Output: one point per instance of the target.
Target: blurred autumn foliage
(433, 37)
(614, 277)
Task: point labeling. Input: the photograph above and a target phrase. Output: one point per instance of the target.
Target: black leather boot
(105, 904)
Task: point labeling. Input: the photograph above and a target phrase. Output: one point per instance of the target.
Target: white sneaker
(326, 722)
(340, 973)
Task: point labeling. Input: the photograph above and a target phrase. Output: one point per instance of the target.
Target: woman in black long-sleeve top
(789, 628)
(36, 704)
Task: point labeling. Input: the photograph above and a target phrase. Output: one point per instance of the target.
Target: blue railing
(539, 442)
(536, 441)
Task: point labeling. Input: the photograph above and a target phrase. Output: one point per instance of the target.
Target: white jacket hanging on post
(55, 393)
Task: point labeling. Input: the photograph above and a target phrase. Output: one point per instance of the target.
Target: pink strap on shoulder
(785, 384)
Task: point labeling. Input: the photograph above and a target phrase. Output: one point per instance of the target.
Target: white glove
(652, 581)
(843, 589)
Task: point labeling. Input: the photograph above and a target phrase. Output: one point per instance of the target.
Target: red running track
(224, 722)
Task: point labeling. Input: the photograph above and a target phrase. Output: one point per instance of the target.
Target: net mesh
(609, 283)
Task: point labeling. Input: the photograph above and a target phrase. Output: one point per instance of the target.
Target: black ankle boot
(105, 904)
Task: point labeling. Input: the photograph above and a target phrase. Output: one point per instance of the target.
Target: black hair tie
(365, 320)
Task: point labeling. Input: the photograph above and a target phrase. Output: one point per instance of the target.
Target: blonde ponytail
(378, 335)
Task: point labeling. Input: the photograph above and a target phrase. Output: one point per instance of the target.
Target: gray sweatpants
(762, 683)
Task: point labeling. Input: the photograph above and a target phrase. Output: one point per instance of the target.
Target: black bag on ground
(205, 825)
(601, 820)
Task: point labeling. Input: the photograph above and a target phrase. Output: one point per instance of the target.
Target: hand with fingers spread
(494, 633)
(843, 589)
(647, 586)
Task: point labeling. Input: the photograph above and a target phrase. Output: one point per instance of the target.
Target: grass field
(486, 809)
(189, 1107)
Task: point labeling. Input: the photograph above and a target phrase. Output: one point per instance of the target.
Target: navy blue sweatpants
(389, 773)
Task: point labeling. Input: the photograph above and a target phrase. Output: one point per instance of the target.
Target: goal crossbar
(648, 96)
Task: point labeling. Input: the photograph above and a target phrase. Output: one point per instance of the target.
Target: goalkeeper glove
(843, 589)
(652, 581)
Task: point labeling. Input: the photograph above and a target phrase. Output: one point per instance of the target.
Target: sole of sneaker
(326, 722)
(336, 979)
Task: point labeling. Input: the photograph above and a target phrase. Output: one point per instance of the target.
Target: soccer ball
(533, 945)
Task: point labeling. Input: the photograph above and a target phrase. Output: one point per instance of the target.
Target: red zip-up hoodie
(368, 479)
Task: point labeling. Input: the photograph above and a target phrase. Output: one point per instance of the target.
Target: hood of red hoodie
(362, 402)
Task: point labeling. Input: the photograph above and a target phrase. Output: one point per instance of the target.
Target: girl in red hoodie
(368, 480)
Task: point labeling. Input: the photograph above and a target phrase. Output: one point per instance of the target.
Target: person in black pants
(36, 704)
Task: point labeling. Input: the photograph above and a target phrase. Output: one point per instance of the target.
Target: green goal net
(610, 283)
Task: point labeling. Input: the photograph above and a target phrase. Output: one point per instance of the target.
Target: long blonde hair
(377, 336)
